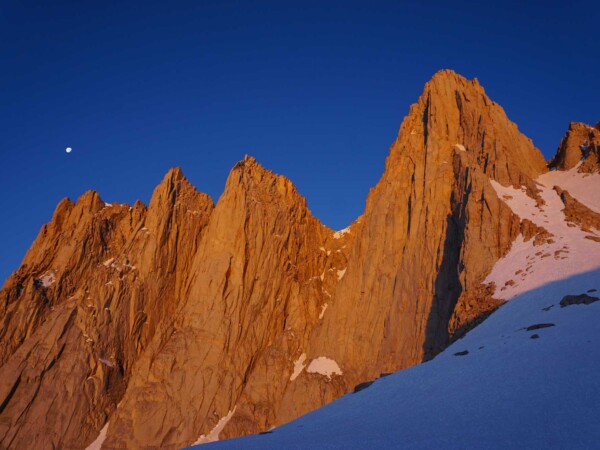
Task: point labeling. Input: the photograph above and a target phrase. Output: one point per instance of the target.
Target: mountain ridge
(179, 314)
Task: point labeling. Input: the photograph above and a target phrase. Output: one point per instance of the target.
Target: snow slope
(579, 185)
(526, 266)
(509, 391)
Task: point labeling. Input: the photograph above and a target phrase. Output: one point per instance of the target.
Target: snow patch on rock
(48, 280)
(105, 361)
(213, 436)
(323, 308)
(324, 366)
(341, 233)
(298, 366)
(97, 444)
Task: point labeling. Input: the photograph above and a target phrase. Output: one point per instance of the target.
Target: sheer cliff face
(433, 227)
(88, 298)
(164, 322)
(255, 294)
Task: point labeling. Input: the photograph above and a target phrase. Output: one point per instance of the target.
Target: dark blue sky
(314, 90)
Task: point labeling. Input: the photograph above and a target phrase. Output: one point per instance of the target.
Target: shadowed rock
(539, 326)
(582, 299)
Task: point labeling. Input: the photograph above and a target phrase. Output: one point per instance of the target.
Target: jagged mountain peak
(432, 228)
(452, 81)
(259, 281)
(248, 159)
(90, 200)
(63, 207)
(176, 189)
(167, 322)
(580, 147)
(173, 179)
(260, 183)
(175, 173)
(251, 165)
(453, 115)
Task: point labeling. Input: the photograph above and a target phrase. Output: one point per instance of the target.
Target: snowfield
(584, 187)
(511, 390)
(526, 266)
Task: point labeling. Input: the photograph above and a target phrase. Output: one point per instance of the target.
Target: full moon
(69, 149)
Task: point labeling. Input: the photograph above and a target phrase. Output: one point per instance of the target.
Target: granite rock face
(432, 229)
(165, 323)
(581, 144)
(94, 288)
(255, 294)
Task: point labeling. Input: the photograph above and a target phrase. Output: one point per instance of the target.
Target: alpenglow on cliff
(184, 321)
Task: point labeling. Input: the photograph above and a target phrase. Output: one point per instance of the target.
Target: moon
(69, 150)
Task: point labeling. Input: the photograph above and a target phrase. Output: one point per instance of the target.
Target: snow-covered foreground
(511, 390)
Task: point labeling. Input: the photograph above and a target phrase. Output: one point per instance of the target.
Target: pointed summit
(452, 81)
(456, 113)
(175, 173)
(174, 177)
(253, 178)
(91, 201)
(62, 209)
(175, 201)
(175, 187)
(432, 229)
(248, 161)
